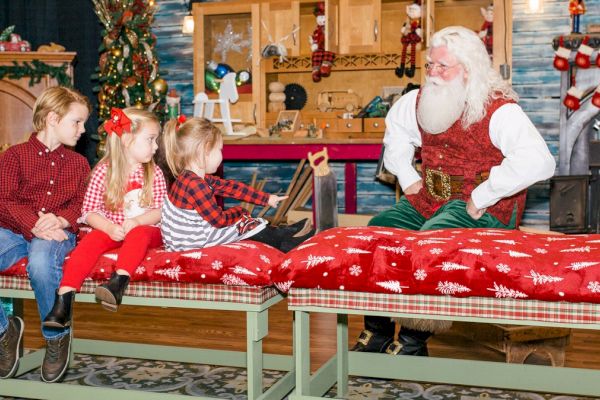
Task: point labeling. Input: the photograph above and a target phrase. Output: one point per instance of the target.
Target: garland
(36, 70)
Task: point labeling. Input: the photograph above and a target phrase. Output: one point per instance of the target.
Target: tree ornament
(411, 36)
(220, 70)
(243, 77)
(582, 58)
(561, 56)
(573, 98)
(159, 87)
(131, 37)
(139, 105)
(116, 52)
(321, 59)
(211, 81)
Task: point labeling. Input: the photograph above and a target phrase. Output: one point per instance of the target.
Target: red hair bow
(118, 122)
(180, 120)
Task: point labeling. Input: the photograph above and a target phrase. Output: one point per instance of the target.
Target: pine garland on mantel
(35, 71)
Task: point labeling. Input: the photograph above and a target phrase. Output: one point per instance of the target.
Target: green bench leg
(257, 327)
(342, 355)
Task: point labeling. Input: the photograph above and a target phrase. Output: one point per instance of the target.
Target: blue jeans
(44, 269)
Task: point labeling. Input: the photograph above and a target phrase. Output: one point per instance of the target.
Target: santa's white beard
(441, 104)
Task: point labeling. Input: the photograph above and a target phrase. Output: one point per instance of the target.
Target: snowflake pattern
(420, 274)
(355, 270)
(286, 263)
(217, 265)
(594, 286)
(265, 259)
(540, 251)
(140, 270)
(436, 250)
(503, 268)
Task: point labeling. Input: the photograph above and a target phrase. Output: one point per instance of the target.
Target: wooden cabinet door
(280, 23)
(360, 26)
(332, 29)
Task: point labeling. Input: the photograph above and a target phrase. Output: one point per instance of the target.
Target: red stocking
(596, 96)
(573, 98)
(582, 58)
(561, 57)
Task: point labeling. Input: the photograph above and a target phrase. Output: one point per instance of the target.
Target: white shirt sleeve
(526, 157)
(401, 138)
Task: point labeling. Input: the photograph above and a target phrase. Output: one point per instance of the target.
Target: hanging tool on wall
(324, 191)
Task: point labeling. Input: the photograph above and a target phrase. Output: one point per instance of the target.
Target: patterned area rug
(230, 383)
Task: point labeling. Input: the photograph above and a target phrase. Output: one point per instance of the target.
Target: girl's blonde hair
(117, 173)
(185, 143)
(56, 99)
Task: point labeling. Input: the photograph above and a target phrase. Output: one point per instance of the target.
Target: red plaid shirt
(191, 192)
(33, 179)
(94, 195)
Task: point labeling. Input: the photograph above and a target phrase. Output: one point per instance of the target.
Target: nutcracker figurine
(321, 58)
(576, 9)
(411, 36)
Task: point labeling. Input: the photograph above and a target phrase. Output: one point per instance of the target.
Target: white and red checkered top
(94, 195)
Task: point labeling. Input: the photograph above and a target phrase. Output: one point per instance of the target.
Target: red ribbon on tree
(118, 122)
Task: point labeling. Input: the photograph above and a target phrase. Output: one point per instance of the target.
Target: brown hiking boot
(10, 344)
(56, 360)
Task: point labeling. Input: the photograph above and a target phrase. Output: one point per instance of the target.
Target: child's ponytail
(170, 151)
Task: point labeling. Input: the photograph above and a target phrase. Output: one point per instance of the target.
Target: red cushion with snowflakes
(245, 263)
(457, 262)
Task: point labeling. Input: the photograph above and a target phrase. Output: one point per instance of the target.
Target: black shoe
(299, 228)
(289, 243)
(413, 343)
(10, 346)
(110, 294)
(399, 71)
(56, 359)
(62, 312)
(372, 342)
(410, 71)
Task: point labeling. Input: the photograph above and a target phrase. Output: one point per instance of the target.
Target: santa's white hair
(484, 83)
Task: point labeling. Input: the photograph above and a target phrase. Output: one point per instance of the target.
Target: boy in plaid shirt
(41, 190)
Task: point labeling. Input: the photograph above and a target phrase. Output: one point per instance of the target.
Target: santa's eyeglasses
(441, 68)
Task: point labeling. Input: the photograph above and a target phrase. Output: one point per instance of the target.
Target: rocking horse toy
(411, 35)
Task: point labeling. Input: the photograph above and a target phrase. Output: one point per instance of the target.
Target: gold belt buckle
(442, 179)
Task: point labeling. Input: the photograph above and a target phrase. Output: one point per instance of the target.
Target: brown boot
(56, 359)
(10, 344)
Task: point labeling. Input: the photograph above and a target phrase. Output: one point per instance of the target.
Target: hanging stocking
(596, 96)
(598, 59)
(561, 56)
(573, 98)
(582, 59)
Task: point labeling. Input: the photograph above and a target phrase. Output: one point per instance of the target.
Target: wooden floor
(226, 330)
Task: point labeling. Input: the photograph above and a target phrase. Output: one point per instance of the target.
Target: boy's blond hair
(185, 143)
(56, 99)
(117, 173)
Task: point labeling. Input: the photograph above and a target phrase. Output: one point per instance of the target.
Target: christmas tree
(128, 70)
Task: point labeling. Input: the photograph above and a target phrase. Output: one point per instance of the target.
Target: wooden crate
(520, 344)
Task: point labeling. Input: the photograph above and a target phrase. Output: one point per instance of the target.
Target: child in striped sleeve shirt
(191, 216)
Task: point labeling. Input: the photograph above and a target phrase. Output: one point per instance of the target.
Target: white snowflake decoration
(450, 266)
(316, 260)
(172, 272)
(503, 268)
(540, 279)
(398, 250)
(420, 274)
(286, 263)
(238, 269)
(540, 251)
(436, 250)
(594, 286)
(451, 288)
(284, 286)
(265, 259)
(576, 266)
(354, 250)
(229, 41)
(502, 291)
(393, 286)
(355, 270)
(230, 279)
(140, 270)
(217, 265)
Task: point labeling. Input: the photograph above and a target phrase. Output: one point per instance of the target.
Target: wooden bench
(254, 301)
(431, 369)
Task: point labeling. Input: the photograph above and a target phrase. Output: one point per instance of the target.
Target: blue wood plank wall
(537, 82)
(534, 78)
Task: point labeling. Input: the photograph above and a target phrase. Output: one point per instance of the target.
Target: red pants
(82, 259)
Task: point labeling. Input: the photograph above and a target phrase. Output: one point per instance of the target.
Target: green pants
(451, 215)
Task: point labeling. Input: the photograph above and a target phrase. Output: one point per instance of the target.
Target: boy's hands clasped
(50, 227)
